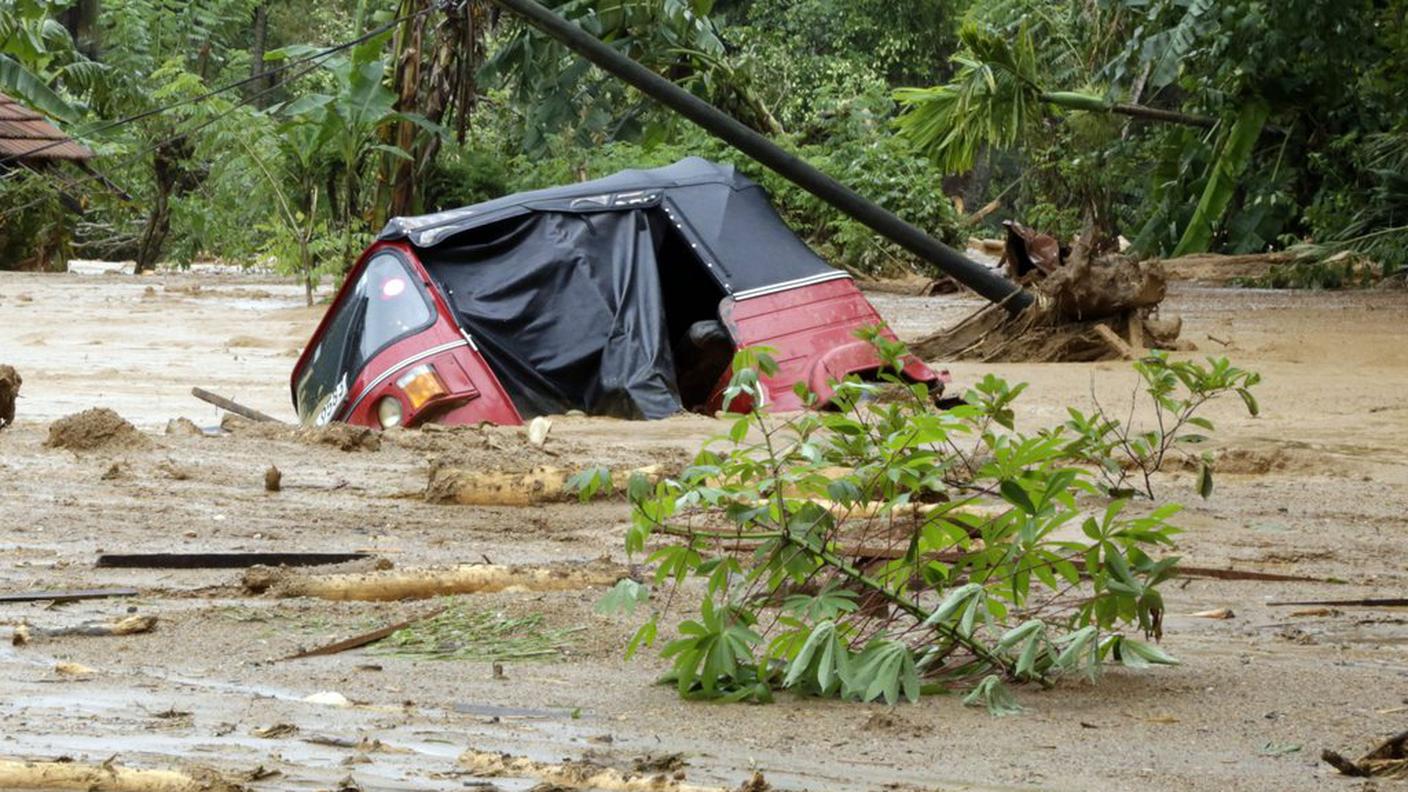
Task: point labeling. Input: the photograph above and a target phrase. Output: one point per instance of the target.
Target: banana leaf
(1231, 163)
(24, 84)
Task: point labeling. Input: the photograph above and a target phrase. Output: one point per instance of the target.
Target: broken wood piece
(1381, 602)
(1388, 760)
(356, 641)
(1241, 574)
(585, 775)
(1113, 341)
(426, 583)
(230, 405)
(542, 484)
(223, 560)
(131, 625)
(64, 595)
(1216, 613)
(107, 777)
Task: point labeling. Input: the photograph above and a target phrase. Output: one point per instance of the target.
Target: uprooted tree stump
(404, 584)
(1073, 304)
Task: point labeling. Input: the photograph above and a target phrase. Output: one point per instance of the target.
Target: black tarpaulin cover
(578, 297)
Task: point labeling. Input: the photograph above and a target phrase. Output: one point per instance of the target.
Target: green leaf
(623, 597)
(993, 694)
(15, 79)
(1231, 162)
(1204, 480)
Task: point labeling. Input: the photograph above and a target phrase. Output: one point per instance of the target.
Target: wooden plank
(1382, 602)
(1114, 342)
(67, 594)
(223, 560)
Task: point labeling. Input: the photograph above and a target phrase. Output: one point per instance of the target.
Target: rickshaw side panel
(812, 328)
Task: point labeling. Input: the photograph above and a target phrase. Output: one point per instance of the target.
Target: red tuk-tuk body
(403, 342)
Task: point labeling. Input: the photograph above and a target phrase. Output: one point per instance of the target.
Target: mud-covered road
(1316, 486)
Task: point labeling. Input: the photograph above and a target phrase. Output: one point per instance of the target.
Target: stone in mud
(183, 426)
(92, 429)
(9, 389)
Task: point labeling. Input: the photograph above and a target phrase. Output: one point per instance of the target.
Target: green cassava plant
(884, 548)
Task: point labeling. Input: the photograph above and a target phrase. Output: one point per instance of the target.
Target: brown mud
(92, 429)
(1317, 486)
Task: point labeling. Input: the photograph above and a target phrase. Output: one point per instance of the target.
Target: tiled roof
(24, 132)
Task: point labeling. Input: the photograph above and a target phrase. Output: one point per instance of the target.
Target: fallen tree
(542, 484)
(404, 584)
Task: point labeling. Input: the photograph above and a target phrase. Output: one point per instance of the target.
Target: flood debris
(223, 560)
(128, 625)
(541, 484)
(230, 405)
(357, 641)
(1369, 602)
(107, 777)
(93, 429)
(590, 775)
(183, 426)
(273, 479)
(1388, 760)
(66, 595)
(538, 430)
(425, 583)
(1082, 300)
(10, 382)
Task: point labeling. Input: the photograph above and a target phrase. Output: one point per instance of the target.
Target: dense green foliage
(1183, 125)
(887, 548)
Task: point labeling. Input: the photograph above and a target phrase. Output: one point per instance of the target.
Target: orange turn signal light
(421, 384)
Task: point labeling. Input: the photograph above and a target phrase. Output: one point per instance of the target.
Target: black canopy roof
(737, 233)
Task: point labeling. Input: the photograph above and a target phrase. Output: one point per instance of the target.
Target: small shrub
(886, 548)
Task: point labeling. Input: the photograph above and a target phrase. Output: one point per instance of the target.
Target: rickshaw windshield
(386, 305)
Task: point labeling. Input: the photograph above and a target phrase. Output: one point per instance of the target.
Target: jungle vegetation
(228, 129)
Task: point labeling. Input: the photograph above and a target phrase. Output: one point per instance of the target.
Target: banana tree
(36, 52)
(996, 99)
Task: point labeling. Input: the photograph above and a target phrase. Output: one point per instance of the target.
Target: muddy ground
(1317, 486)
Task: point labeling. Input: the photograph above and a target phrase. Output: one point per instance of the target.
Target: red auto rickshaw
(625, 296)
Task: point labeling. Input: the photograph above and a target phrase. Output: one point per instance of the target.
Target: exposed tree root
(589, 775)
(1388, 760)
(424, 583)
(1114, 291)
(16, 774)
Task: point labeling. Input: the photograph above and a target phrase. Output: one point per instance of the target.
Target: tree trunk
(81, 20)
(169, 179)
(257, 66)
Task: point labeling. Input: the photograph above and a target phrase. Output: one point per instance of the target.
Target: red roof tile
(23, 132)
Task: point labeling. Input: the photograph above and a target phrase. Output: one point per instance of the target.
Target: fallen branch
(497, 488)
(426, 583)
(1242, 574)
(16, 774)
(357, 641)
(64, 595)
(585, 775)
(1388, 760)
(132, 625)
(1383, 602)
(230, 405)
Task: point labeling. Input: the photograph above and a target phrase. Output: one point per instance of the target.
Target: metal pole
(980, 279)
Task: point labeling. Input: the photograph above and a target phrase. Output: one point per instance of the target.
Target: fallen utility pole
(975, 276)
(229, 405)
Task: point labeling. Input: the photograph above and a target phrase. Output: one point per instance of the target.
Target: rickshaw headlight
(388, 411)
